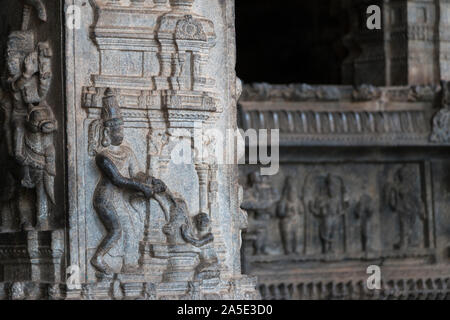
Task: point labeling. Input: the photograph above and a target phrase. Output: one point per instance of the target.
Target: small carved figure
(328, 208)
(366, 93)
(405, 200)
(260, 200)
(178, 222)
(364, 212)
(289, 211)
(17, 291)
(119, 173)
(179, 232)
(208, 268)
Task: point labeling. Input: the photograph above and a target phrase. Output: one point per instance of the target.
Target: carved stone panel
(345, 212)
(32, 205)
(143, 225)
(356, 188)
(94, 204)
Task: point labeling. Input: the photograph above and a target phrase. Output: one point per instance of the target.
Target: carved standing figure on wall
(29, 124)
(260, 201)
(329, 207)
(364, 212)
(289, 211)
(405, 200)
(119, 174)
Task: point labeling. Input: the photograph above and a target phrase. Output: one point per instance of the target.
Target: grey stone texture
(411, 48)
(363, 181)
(92, 205)
(364, 167)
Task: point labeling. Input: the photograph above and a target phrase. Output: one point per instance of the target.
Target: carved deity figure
(260, 201)
(119, 174)
(405, 200)
(364, 212)
(242, 217)
(29, 123)
(289, 211)
(328, 207)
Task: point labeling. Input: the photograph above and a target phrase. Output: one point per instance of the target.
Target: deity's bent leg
(110, 220)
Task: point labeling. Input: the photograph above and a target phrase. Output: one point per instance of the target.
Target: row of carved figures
(328, 207)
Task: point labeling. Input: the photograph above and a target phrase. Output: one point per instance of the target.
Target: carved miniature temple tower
(144, 83)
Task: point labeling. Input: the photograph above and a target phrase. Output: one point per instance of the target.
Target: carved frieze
(324, 216)
(365, 115)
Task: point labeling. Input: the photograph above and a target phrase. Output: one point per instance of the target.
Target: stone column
(92, 186)
(159, 79)
(410, 49)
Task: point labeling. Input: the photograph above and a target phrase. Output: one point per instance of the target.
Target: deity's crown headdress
(111, 114)
(22, 41)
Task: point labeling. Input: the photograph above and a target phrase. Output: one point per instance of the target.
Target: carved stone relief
(31, 204)
(341, 115)
(155, 229)
(329, 216)
(28, 128)
(369, 191)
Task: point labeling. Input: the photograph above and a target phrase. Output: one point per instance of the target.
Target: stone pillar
(141, 77)
(160, 79)
(410, 49)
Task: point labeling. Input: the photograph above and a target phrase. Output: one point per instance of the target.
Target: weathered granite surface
(411, 48)
(93, 205)
(363, 181)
